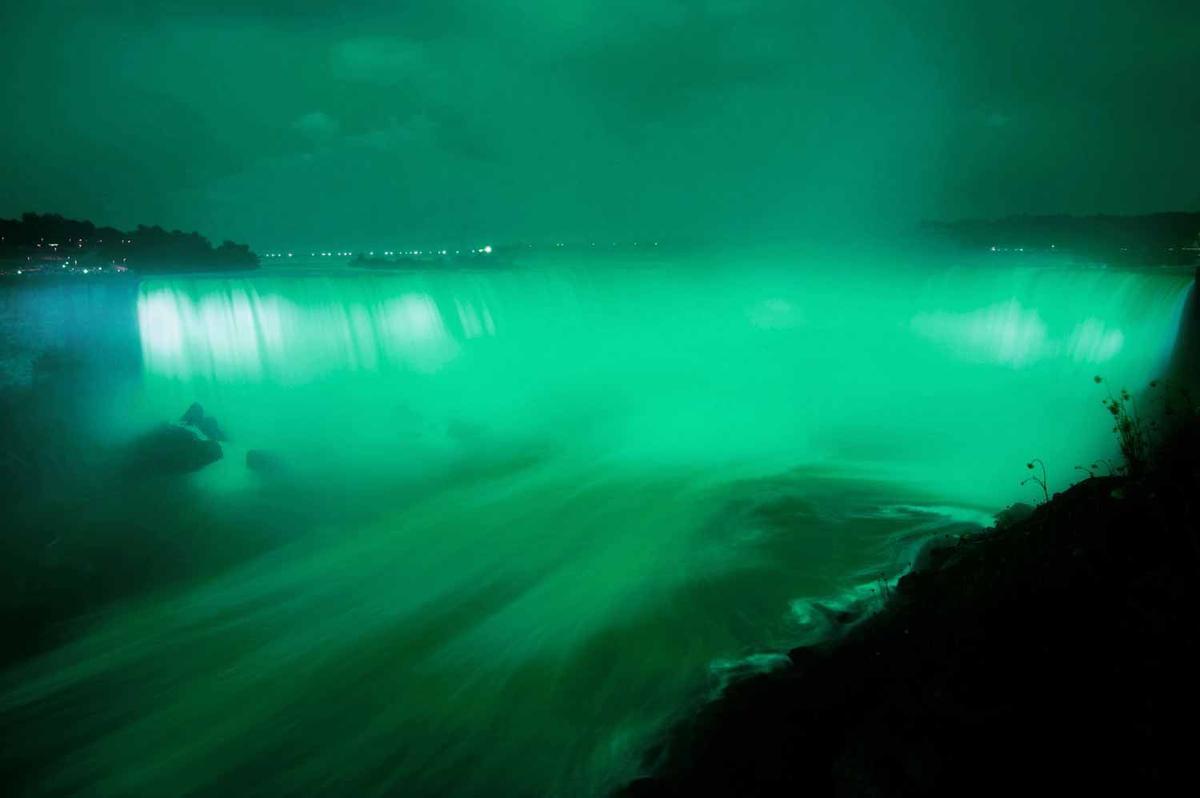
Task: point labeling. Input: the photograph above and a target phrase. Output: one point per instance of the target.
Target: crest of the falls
(523, 516)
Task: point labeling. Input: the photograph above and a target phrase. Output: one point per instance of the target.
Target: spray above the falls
(529, 516)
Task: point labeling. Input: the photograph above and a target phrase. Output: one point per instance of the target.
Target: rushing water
(523, 518)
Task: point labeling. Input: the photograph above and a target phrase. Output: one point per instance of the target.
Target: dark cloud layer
(353, 124)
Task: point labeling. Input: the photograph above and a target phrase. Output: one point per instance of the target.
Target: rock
(909, 584)
(933, 552)
(211, 429)
(846, 616)
(1013, 514)
(171, 449)
(192, 415)
(805, 657)
(195, 416)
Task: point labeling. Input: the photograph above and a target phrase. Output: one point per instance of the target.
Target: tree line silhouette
(42, 238)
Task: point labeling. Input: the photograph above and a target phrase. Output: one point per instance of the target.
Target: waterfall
(525, 511)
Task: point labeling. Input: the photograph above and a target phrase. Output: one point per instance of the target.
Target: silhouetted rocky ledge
(1059, 652)
(168, 450)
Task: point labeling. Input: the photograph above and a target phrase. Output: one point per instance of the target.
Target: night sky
(355, 124)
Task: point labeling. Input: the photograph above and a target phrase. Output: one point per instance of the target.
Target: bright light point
(488, 249)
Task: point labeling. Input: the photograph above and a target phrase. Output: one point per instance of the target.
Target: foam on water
(532, 514)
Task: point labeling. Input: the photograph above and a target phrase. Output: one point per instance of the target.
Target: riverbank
(1059, 651)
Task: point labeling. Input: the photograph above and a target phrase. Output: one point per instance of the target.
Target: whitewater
(524, 516)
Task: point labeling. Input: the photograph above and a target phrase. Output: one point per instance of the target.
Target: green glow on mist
(528, 510)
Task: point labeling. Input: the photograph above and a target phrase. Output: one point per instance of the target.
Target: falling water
(523, 517)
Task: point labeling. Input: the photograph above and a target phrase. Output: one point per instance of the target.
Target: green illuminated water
(525, 516)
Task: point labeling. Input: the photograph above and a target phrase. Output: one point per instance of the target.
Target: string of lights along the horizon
(484, 250)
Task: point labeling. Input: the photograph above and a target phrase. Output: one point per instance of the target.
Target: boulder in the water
(211, 429)
(171, 449)
(195, 416)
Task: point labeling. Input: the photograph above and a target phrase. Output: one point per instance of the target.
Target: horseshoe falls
(517, 520)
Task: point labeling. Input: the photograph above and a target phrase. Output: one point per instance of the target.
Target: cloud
(675, 61)
(660, 116)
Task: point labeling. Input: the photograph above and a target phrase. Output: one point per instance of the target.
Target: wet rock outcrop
(1055, 653)
(196, 418)
(170, 449)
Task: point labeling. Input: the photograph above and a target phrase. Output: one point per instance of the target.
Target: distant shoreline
(38, 243)
(1156, 239)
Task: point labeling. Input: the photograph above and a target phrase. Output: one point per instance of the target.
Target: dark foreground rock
(169, 449)
(195, 417)
(1058, 652)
